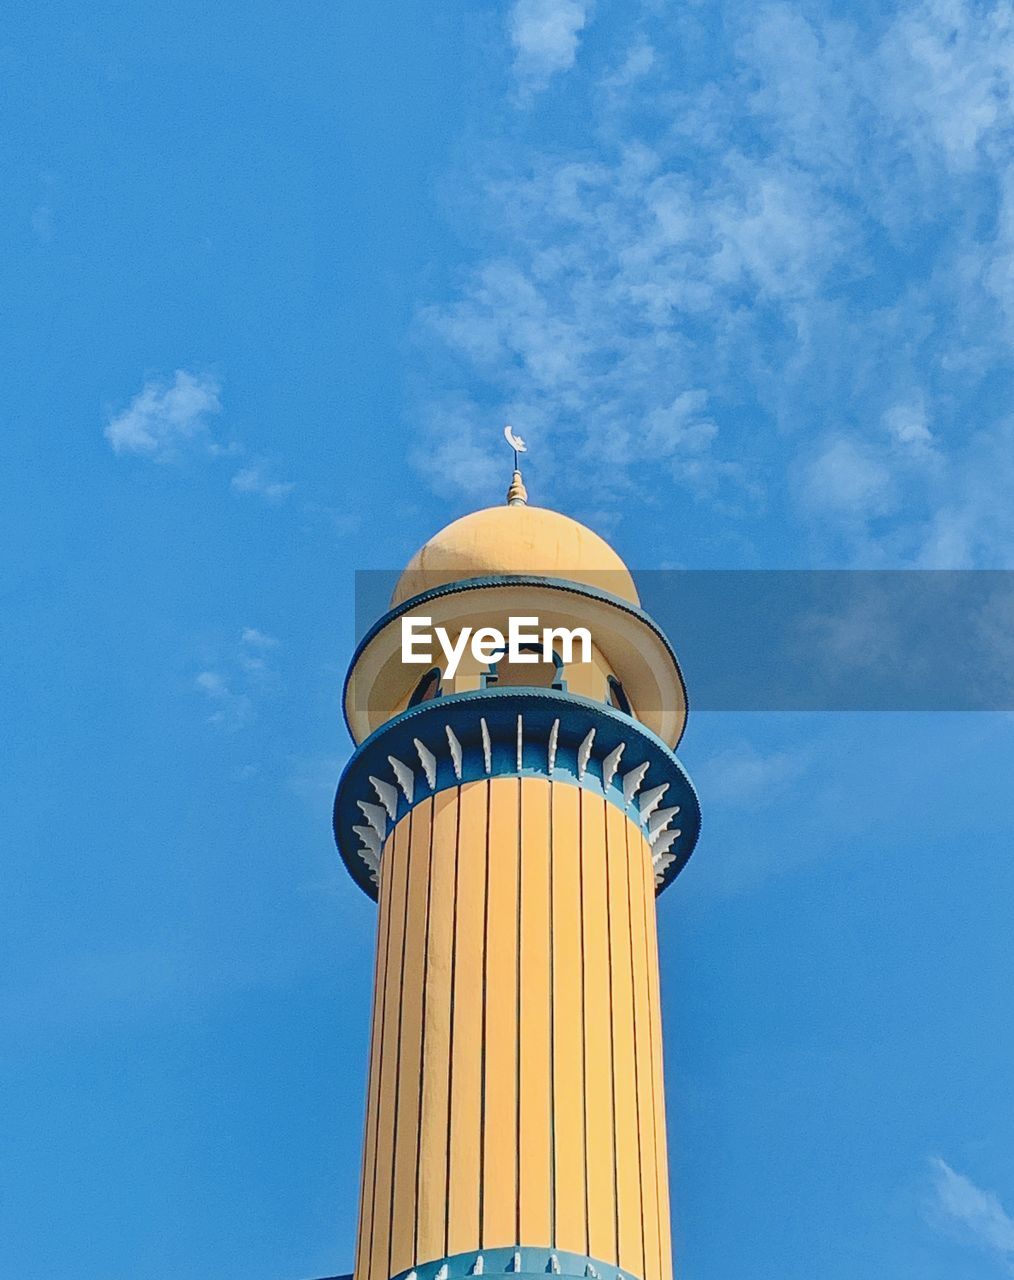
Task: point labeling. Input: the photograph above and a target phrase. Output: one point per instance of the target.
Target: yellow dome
(516, 540)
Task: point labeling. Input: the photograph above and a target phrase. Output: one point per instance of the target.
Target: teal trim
(586, 735)
(513, 580)
(520, 1260)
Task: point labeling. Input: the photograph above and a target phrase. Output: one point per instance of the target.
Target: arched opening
(542, 674)
(618, 697)
(428, 687)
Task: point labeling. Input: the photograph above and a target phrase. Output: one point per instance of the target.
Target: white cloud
(818, 231)
(545, 34)
(998, 272)
(455, 458)
(257, 639)
(977, 1216)
(165, 417)
(240, 675)
(778, 235)
(846, 479)
(230, 710)
(972, 525)
(639, 60)
(253, 650)
(906, 423)
(743, 777)
(950, 65)
(256, 479)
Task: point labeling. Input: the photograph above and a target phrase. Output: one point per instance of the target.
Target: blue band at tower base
(516, 1260)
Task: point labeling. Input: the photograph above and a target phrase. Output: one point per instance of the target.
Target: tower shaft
(515, 1085)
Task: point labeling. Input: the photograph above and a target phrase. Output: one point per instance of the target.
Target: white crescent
(514, 441)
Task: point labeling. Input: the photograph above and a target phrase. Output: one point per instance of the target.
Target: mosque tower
(515, 824)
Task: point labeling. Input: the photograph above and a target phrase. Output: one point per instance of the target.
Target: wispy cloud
(232, 684)
(257, 639)
(166, 417)
(254, 651)
(230, 710)
(545, 36)
(974, 1215)
(811, 236)
(171, 419)
(741, 776)
(256, 479)
(846, 478)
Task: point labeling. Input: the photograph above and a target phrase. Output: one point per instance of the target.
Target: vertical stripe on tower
(406, 1133)
(568, 1070)
(661, 1155)
(597, 1033)
(630, 1218)
(433, 1118)
(466, 1029)
(637, 853)
(535, 1187)
(499, 1136)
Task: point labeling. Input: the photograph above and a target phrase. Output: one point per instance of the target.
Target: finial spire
(517, 494)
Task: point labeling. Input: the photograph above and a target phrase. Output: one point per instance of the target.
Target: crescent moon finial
(517, 494)
(515, 441)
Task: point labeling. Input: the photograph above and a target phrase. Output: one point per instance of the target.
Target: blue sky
(274, 277)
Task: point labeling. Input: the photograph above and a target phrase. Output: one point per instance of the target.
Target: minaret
(515, 824)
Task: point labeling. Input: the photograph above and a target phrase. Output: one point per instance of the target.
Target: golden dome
(516, 539)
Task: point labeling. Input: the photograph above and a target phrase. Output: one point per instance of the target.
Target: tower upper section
(521, 562)
(603, 713)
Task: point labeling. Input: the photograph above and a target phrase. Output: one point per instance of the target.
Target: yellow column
(535, 1184)
(515, 1090)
